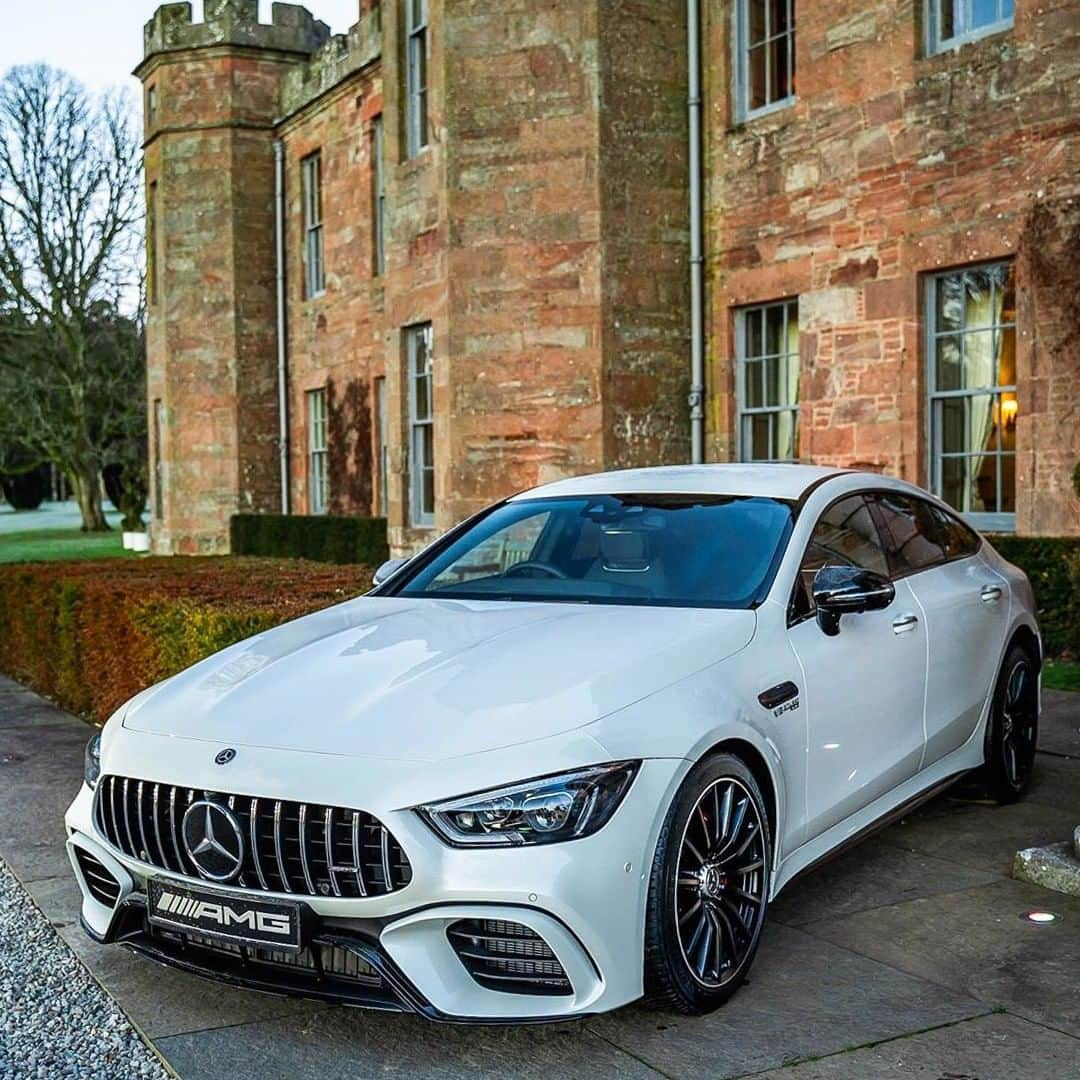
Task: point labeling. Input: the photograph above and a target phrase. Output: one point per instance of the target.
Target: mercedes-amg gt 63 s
(565, 756)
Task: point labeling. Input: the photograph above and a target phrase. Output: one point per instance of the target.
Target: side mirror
(848, 590)
(387, 570)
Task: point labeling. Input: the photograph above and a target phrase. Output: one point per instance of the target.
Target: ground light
(1039, 917)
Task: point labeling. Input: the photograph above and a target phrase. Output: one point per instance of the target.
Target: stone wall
(891, 164)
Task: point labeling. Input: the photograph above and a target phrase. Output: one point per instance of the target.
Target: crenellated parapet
(234, 22)
(339, 57)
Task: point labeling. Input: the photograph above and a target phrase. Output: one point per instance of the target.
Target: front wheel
(709, 888)
(1012, 729)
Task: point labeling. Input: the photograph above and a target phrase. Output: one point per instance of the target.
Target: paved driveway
(904, 958)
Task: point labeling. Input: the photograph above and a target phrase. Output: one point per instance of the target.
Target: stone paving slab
(994, 1047)
(975, 943)
(348, 1044)
(805, 998)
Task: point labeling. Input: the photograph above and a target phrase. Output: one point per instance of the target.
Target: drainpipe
(282, 345)
(697, 231)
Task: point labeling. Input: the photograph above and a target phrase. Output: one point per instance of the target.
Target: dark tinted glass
(958, 540)
(845, 535)
(915, 536)
(675, 550)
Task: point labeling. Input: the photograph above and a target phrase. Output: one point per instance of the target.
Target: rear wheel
(1012, 729)
(709, 888)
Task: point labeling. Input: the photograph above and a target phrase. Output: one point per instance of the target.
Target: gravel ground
(55, 1020)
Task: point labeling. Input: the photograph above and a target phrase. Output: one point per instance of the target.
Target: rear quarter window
(919, 535)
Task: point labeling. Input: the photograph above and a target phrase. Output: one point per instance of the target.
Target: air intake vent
(288, 847)
(101, 885)
(507, 956)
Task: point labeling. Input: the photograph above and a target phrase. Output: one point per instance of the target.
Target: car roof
(775, 481)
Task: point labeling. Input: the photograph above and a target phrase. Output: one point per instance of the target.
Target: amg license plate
(274, 923)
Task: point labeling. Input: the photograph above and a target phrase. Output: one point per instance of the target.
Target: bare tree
(70, 242)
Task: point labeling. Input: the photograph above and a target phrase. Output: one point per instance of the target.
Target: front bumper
(585, 899)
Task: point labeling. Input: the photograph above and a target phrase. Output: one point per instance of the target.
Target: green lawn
(49, 545)
(1061, 675)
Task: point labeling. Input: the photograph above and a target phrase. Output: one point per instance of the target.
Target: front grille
(289, 847)
(101, 885)
(507, 956)
(320, 959)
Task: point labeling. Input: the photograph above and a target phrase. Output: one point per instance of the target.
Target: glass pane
(755, 78)
(787, 435)
(756, 20)
(1008, 484)
(949, 311)
(755, 342)
(983, 13)
(967, 424)
(778, 69)
(1006, 350)
(970, 483)
(791, 365)
(981, 297)
(427, 445)
(845, 536)
(980, 359)
(775, 330)
(421, 398)
(913, 534)
(950, 17)
(1007, 9)
(955, 485)
(756, 438)
(428, 494)
(1008, 408)
(778, 16)
(752, 375)
(950, 371)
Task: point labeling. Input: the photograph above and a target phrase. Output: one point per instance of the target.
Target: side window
(912, 532)
(959, 541)
(845, 535)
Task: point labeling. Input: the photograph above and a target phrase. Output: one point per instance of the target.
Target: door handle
(990, 593)
(904, 624)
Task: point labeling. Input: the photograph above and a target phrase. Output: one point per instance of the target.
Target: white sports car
(567, 755)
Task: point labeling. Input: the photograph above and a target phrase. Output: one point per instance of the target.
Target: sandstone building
(445, 256)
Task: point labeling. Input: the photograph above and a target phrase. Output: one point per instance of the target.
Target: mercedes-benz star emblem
(213, 840)
(225, 756)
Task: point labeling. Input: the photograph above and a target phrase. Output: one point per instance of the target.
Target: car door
(864, 688)
(966, 606)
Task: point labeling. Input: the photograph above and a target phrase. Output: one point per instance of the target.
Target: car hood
(426, 680)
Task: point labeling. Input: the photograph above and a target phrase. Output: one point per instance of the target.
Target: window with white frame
(416, 76)
(159, 460)
(378, 197)
(318, 479)
(764, 56)
(418, 350)
(314, 263)
(767, 381)
(953, 22)
(971, 347)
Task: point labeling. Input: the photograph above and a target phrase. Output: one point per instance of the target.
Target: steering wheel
(530, 565)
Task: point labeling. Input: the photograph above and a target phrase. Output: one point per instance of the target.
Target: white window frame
(416, 77)
(986, 521)
(318, 477)
(742, 359)
(418, 343)
(314, 250)
(935, 43)
(741, 67)
(378, 183)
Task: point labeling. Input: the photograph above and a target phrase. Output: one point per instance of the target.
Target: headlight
(92, 760)
(542, 811)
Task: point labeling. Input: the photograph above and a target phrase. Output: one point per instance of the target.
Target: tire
(706, 908)
(1012, 728)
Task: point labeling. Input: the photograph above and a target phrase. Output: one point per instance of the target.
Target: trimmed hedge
(1052, 564)
(323, 539)
(90, 635)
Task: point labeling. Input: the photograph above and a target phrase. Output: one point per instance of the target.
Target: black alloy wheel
(709, 888)
(1012, 729)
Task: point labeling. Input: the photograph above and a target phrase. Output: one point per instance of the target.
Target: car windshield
(673, 550)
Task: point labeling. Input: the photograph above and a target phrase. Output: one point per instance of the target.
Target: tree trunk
(87, 487)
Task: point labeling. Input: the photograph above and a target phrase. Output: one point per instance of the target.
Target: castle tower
(211, 96)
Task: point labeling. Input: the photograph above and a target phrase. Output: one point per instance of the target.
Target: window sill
(991, 523)
(743, 119)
